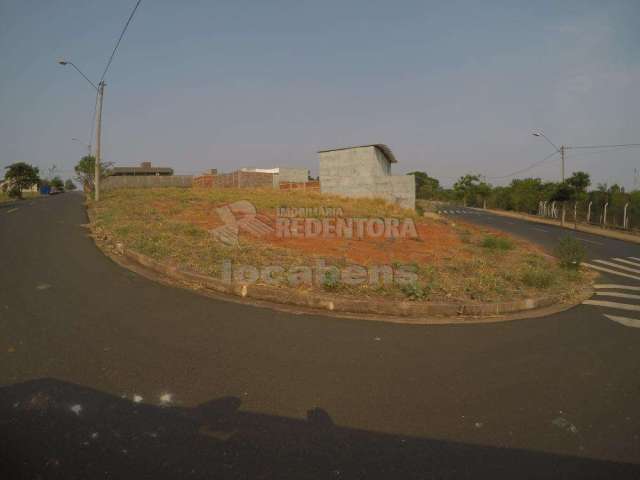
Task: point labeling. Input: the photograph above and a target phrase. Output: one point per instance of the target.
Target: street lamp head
(536, 134)
(62, 61)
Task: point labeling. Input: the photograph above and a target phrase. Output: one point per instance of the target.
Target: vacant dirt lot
(449, 262)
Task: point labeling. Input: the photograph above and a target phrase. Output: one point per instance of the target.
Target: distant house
(365, 171)
(5, 185)
(145, 170)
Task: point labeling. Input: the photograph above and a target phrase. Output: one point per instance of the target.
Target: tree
(525, 194)
(20, 176)
(86, 169)
(69, 185)
(580, 181)
(465, 187)
(56, 182)
(483, 191)
(563, 194)
(426, 187)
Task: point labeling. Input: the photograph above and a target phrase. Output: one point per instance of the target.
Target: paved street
(105, 374)
(618, 288)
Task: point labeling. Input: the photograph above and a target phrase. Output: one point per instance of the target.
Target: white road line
(626, 321)
(608, 270)
(619, 295)
(635, 258)
(635, 264)
(619, 287)
(589, 241)
(12, 210)
(540, 229)
(621, 267)
(616, 305)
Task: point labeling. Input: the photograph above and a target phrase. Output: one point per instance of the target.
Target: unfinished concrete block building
(365, 171)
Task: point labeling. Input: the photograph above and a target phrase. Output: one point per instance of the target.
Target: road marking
(589, 241)
(12, 210)
(626, 321)
(619, 295)
(619, 306)
(608, 270)
(619, 287)
(540, 229)
(635, 258)
(627, 261)
(621, 267)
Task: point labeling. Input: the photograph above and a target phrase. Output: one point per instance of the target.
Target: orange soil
(434, 243)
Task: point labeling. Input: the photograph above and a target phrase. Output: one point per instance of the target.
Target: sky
(452, 87)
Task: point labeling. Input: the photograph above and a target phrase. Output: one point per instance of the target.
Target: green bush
(331, 279)
(537, 278)
(14, 192)
(497, 243)
(570, 252)
(413, 291)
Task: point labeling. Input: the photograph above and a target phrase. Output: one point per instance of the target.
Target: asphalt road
(105, 374)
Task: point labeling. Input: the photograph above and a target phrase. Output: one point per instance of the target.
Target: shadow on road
(54, 429)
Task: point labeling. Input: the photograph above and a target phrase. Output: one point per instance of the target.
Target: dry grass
(4, 197)
(454, 263)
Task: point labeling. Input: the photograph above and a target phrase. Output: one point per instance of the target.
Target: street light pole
(560, 150)
(100, 91)
(96, 182)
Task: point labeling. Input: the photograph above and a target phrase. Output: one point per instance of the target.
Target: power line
(126, 25)
(530, 167)
(104, 73)
(604, 146)
(533, 165)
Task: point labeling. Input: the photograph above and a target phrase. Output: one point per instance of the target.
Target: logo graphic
(237, 216)
(307, 223)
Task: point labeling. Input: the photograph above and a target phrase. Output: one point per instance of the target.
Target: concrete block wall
(203, 181)
(364, 172)
(146, 181)
(240, 179)
(255, 179)
(293, 175)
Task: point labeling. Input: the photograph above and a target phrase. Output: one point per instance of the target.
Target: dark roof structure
(145, 168)
(380, 146)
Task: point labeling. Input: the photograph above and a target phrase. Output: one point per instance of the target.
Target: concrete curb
(403, 312)
(626, 237)
(316, 303)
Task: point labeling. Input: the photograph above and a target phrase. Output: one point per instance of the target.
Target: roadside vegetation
(525, 194)
(453, 263)
(6, 198)
(18, 177)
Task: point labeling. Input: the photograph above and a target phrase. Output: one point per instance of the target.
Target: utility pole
(96, 181)
(562, 149)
